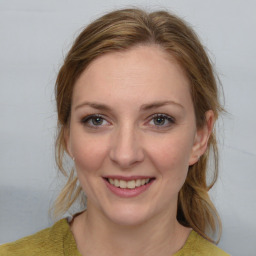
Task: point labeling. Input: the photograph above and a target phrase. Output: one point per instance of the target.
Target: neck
(96, 235)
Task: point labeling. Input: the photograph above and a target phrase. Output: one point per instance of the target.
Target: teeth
(131, 184)
(123, 184)
(116, 183)
(138, 183)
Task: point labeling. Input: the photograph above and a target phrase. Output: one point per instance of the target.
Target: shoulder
(196, 245)
(47, 242)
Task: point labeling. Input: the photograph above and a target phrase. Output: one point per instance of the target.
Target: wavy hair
(121, 30)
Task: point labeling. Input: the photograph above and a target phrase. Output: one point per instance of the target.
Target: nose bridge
(126, 149)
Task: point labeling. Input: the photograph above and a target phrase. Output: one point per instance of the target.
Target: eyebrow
(144, 107)
(94, 105)
(159, 104)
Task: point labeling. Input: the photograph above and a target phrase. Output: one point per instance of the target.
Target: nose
(126, 147)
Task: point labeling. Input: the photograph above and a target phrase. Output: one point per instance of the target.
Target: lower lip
(127, 192)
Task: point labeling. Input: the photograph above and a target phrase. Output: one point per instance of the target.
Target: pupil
(159, 121)
(97, 120)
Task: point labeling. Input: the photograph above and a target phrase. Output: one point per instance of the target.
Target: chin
(128, 216)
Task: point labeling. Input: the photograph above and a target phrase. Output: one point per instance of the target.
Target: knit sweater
(58, 240)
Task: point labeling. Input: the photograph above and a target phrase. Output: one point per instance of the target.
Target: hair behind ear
(195, 208)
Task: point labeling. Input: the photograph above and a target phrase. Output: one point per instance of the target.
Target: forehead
(143, 73)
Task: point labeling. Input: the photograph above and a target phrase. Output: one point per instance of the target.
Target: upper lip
(118, 177)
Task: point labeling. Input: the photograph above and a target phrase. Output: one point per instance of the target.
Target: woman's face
(133, 134)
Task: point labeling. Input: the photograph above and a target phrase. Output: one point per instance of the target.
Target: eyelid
(85, 120)
(162, 115)
(169, 118)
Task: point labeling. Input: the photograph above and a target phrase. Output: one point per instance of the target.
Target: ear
(67, 141)
(201, 138)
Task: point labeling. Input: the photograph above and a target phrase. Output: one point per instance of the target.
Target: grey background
(34, 37)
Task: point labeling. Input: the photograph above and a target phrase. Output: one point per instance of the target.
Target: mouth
(129, 184)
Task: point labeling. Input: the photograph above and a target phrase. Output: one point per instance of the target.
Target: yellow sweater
(58, 240)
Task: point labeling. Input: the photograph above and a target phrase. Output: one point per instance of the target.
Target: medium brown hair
(121, 30)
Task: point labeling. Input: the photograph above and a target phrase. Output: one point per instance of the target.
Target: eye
(161, 120)
(94, 121)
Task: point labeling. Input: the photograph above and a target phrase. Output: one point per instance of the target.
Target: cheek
(170, 155)
(89, 152)
(170, 159)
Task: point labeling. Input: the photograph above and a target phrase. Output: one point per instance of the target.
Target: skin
(128, 140)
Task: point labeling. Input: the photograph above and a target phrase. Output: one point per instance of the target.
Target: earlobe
(201, 138)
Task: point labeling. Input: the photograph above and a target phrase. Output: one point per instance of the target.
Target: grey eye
(160, 120)
(97, 120)
(94, 121)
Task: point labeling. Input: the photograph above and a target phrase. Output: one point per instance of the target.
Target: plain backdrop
(34, 38)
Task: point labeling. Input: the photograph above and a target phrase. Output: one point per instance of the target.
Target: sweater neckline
(69, 243)
(70, 246)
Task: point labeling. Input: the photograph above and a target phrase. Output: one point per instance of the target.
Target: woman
(137, 100)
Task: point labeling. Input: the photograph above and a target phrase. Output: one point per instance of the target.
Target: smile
(128, 186)
(131, 184)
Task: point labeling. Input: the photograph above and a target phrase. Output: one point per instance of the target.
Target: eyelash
(167, 118)
(87, 121)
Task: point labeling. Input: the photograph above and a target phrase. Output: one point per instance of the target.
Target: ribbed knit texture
(58, 240)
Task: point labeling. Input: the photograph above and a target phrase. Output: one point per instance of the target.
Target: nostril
(126, 158)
